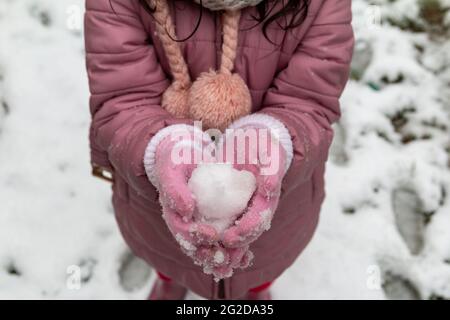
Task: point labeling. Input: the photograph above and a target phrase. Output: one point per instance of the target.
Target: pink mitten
(170, 158)
(201, 242)
(220, 262)
(188, 233)
(259, 144)
(238, 258)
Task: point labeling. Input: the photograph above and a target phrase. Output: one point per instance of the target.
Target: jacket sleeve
(305, 95)
(126, 83)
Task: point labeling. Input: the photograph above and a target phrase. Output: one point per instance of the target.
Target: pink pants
(260, 288)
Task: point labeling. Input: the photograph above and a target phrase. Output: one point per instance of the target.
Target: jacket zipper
(219, 40)
(221, 293)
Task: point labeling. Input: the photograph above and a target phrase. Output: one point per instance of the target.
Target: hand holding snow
(222, 193)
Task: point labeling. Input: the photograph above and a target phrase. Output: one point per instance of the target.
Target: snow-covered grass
(384, 229)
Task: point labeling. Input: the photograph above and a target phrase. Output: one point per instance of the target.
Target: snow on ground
(384, 229)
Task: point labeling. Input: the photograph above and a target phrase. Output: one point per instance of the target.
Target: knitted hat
(216, 98)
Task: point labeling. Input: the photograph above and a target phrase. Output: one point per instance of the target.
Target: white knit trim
(150, 150)
(276, 128)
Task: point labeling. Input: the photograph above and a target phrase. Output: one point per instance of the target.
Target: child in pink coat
(240, 67)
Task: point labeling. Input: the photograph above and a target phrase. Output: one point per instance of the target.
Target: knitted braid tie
(175, 98)
(217, 98)
(230, 40)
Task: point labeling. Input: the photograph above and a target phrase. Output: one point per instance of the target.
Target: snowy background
(384, 230)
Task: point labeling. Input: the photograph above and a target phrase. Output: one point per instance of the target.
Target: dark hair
(293, 13)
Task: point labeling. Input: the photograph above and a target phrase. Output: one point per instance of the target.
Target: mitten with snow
(169, 160)
(262, 145)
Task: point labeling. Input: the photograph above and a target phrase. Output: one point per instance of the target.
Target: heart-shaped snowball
(222, 193)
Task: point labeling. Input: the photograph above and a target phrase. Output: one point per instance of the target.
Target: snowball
(222, 193)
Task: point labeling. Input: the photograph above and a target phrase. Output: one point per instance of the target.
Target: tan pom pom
(218, 99)
(175, 101)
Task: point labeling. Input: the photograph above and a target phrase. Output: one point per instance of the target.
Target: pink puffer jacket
(297, 80)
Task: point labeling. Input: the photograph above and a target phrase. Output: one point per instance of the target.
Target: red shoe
(259, 293)
(167, 290)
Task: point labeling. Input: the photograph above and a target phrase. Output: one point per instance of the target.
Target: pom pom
(218, 99)
(175, 101)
